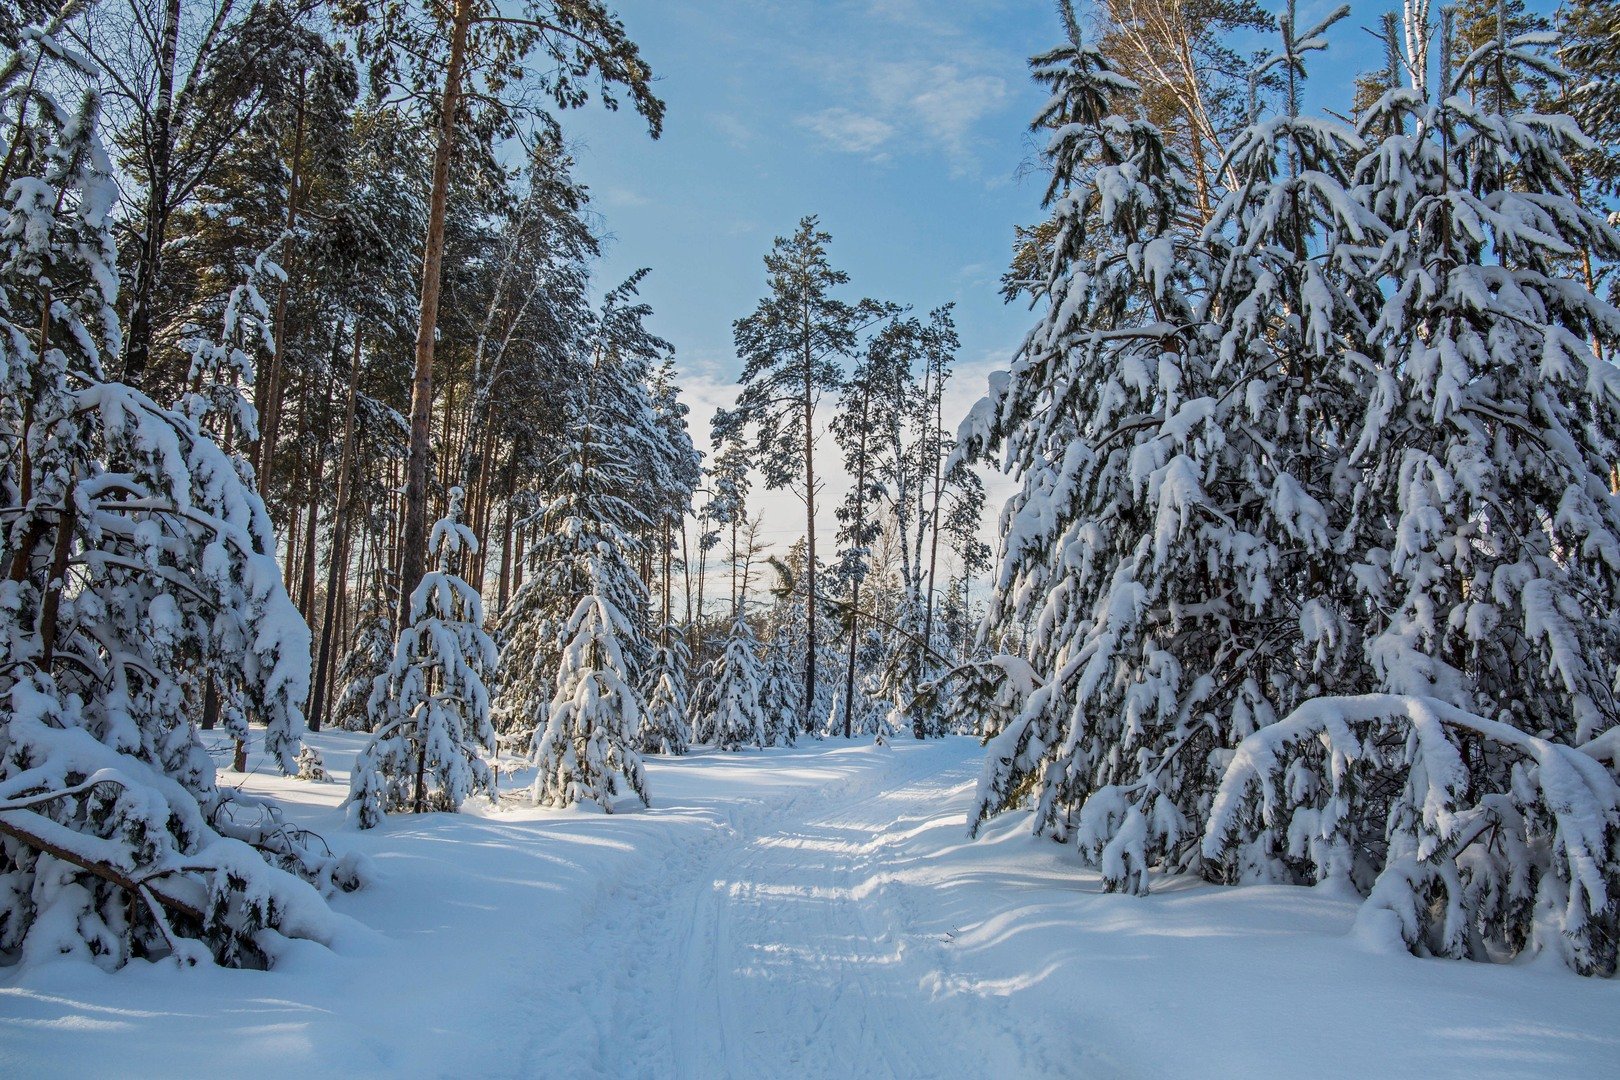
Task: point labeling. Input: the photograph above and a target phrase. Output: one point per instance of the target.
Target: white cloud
(939, 102)
(615, 195)
(924, 104)
(850, 131)
(734, 129)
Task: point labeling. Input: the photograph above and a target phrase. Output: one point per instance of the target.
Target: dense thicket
(1313, 571)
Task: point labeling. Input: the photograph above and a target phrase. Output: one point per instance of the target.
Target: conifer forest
(604, 538)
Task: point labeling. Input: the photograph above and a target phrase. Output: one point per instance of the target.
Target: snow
(816, 911)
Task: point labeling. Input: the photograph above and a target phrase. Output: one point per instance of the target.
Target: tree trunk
(270, 406)
(149, 264)
(504, 589)
(917, 727)
(340, 543)
(413, 539)
(809, 524)
(855, 590)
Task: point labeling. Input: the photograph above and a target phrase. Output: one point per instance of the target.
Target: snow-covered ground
(811, 912)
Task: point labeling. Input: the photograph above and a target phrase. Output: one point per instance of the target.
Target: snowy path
(815, 912)
(793, 964)
(782, 950)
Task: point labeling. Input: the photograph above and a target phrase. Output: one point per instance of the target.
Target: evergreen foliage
(1343, 458)
(430, 713)
(136, 581)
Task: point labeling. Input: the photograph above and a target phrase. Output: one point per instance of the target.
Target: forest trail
(786, 944)
(797, 956)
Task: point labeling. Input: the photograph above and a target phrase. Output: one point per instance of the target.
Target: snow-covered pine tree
(1175, 420)
(1103, 418)
(666, 726)
(738, 720)
(135, 574)
(779, 691)
(584, 753)
(365, 662)
(596, 507)
(791, 345)
(1474, 795)
(583, 746)
(430, 710)
(702, 705)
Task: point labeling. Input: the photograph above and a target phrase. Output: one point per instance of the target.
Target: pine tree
(136, 579)
(430, 710)
(1590, 93)
(1177, 419)
(665, 722)
(1466, 794)
(584, 754)
(779, 690)
(472, 51)
(596, 509)
(791, 347)
(738, 720)
(1097, 415)
(869, 406)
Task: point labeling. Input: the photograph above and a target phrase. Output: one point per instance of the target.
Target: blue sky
(902, 123)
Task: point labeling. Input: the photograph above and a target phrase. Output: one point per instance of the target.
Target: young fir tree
(1469, 793)
(366, 661)
(136, 579)
(779, 691)
(584, 754)
(603, 496)
(665, 722)
(1099, 417)
(1175, 421)
(737, 719)
(430, 710)
(704, 701)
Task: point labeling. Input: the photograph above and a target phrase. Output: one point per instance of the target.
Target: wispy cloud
(733, 129)
(615, 195)
(845, 129)
(942, 101)
(932, 102)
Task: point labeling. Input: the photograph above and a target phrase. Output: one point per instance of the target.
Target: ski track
(786, 947)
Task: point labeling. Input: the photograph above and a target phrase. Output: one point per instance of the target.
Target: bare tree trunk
(149, 265)
(855, 590)
(340, 544)
(504, 590)
(517, 559)
(735, 605)
(293, 534)
(917, 728)
(809, 524)
(413, 539)
(686, 578)
(703, 567)
(270, 406)
(668, 583)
